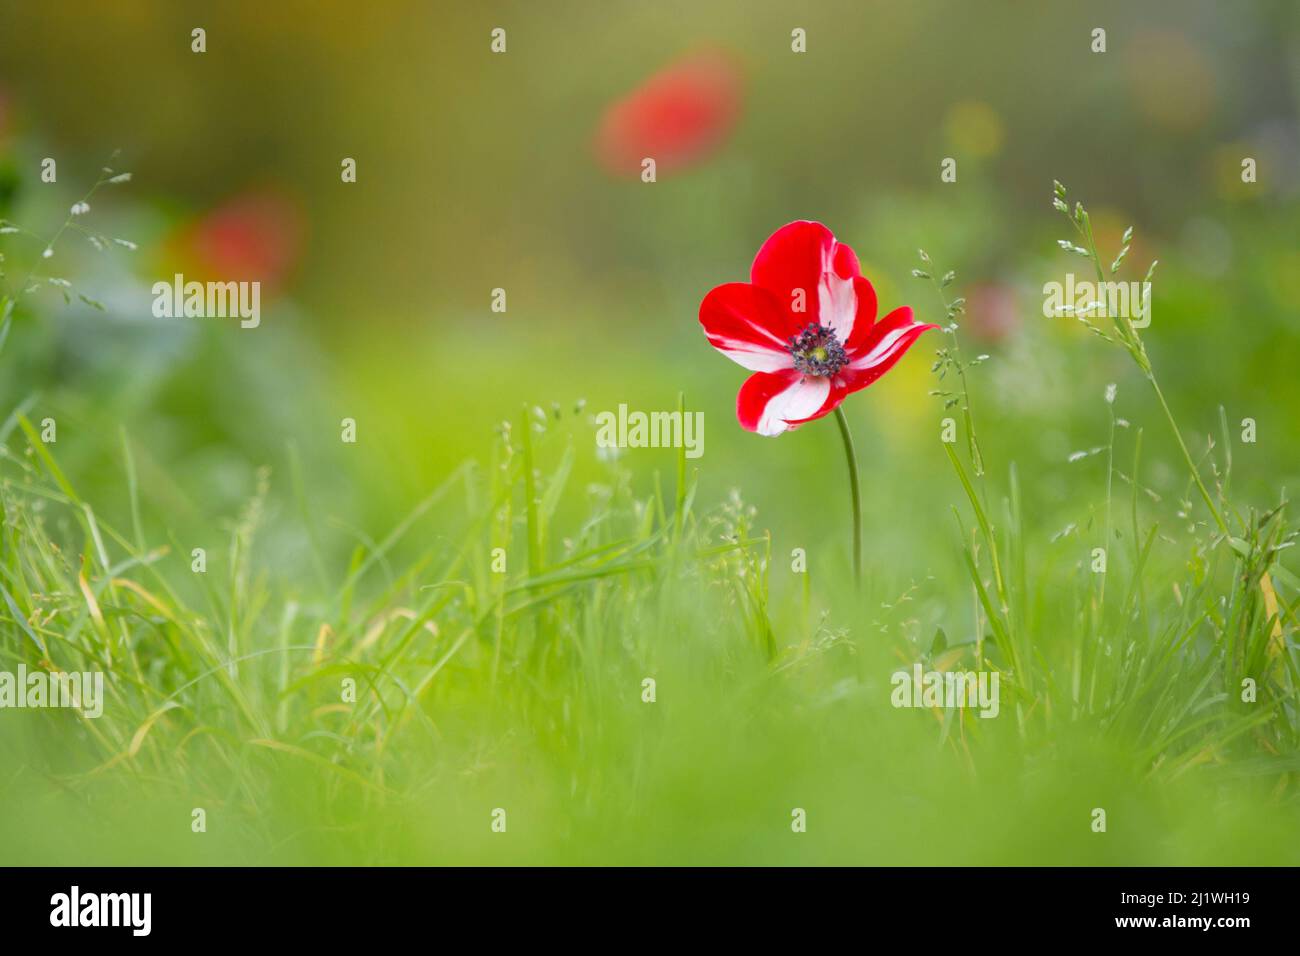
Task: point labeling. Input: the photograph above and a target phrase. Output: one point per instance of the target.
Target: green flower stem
(857, 494)
(1191, 463)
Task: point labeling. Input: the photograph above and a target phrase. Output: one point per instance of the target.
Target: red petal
(793, 257)
(803, 257)
(884, 345)
(866, 314)
(845, 262)
(771, 402)
(744, 323)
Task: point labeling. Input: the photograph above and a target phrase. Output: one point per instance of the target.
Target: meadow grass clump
(525, 690)
(1200, 671)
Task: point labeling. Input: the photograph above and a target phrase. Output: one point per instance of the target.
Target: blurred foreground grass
(523, 690)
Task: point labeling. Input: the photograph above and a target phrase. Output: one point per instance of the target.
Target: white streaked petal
(762, 332)
(752, 356)
(837, 303)
(883, 349)
(800, 400)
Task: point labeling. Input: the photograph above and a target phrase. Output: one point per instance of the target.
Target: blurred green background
(477, 171)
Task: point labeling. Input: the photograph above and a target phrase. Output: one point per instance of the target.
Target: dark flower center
(817, 351)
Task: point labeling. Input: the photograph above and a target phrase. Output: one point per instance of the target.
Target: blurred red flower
(678, 117)
(252, 236)
(806, 326)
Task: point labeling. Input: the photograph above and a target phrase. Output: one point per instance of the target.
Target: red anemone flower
(806, 326)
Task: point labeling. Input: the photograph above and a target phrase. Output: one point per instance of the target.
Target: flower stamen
(817, 351)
